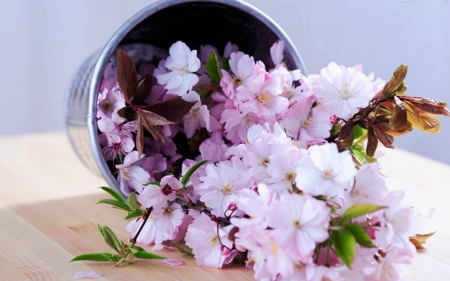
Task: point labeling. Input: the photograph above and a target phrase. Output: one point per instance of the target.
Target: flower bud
(232, 206)
(334, 120)
(225, 251)
(213, 218)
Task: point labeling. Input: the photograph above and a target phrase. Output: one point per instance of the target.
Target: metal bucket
(196, 22)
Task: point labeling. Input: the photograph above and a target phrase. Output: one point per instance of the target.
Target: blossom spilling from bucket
(289, 186)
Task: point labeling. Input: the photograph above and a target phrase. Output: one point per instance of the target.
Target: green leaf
(134, 214)
(362, 238)
(212, 67)
(153, 182)
(139, 249)
(132, 200)
(226, 64)
(113, 193)
(358, 210)
(101, 230)
(117, 204)
(115, 244)
(191, 171)
(359, 132)
(147, 255)
(344, 245)
(109, 240)
(96, 257)
(359, 153)
(183, 249)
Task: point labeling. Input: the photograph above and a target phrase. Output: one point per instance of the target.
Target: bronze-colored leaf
(380, 131)
(399, 118)
(396, 133)
(208, 87)
(143, 89)
(422, 120)
(127, 113)
(420, 239)
(428, 105)
(372, 142)
(153, 123)
(140, 137)
(153, 119)
(395, 82)
(418, 245)
(346, 133)
(173, 110)
(126, 75)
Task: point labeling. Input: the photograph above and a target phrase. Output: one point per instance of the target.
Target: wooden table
(48, 215)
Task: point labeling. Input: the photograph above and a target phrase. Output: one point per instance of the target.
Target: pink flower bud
(334, 119)
(232, 206)
(213, 218)
(225, 251)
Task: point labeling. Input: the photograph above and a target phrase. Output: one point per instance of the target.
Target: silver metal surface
(195, 22)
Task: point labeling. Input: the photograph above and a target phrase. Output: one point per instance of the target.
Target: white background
(42, 43)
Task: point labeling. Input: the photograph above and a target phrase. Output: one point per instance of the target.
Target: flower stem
(148, 212)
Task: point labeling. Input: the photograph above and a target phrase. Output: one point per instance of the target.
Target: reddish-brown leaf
(126, 75)
(380, 131)
(372, 142)
(396, 81)
(399, 119)
(422, 120)
(428, 105)
(140, 137)
(143, 89)
(153, 118)
(420, 239)
(346, 133)
(153, 123)
(209, 87)
(173, 110)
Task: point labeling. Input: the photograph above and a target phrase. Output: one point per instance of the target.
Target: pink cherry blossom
(157, 196)
(263, 97)
(268, 257)
(132, 177)
(299, 222)
(206, 243)
(109, 102)
(255, 204)
(173, 262)
(276, 52)
(343, 90)
(150, 234)
(222, 184)
(396, 222)
(326, 172)
(170, 218)
(198, 116)
(307, 124)
(369, 186)
(213, 149)
(116, 146)
(242, 67)
(396, 264)
(283, 168)
(155, 165)
(181, 65)
(237, 124)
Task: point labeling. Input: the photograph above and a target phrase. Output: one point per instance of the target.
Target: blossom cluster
(277, 192)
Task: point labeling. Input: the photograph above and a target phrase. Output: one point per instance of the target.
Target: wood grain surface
(48, 215)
